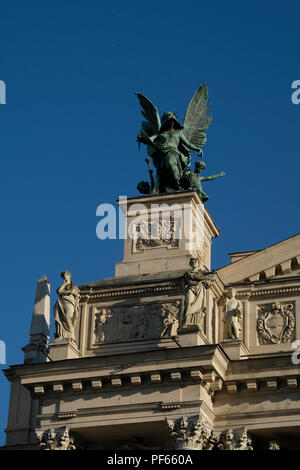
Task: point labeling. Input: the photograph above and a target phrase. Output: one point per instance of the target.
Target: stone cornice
(178, 365)
(262, 369)
(251, 292)
(137, 287)
(93, 294)
(11, 375)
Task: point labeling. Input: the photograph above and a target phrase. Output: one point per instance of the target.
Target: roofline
(255, 252)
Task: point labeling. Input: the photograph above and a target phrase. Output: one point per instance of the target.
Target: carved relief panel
(276, 323)
(137, 322)
(160, 233)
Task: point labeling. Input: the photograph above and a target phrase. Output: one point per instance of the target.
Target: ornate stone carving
(54, 439)
(276, 323)
(194, 434)
(160, 233)
(138, 322)
(232, 308)
(196, 282)
(66, 309)
(273, 445)
(234, 440)
(191, 434)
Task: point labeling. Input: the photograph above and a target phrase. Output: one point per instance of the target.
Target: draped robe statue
(196, 283)
(66, 309)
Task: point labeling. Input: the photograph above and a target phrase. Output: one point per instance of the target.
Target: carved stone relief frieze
(276, 323)
(160, 233)
(137, 322)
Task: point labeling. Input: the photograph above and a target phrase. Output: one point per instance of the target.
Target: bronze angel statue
(170, 143)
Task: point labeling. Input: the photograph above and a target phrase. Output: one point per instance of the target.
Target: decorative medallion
(276, 323)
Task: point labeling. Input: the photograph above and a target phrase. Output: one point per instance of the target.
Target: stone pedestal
(163, 232)
(235, 349)
(190, 335)
(63, 348)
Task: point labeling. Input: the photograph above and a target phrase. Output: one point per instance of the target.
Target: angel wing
(149, 111)
(196, 121)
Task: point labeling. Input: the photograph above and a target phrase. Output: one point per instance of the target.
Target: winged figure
(169, 143)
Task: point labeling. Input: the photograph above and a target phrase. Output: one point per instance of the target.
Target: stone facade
(140, 377)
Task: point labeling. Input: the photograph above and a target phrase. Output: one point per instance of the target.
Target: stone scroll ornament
(66, 309)
(232, 309)
(276, 323)
(196, 283)
(53, 439)
(169, 144)
(137, 322)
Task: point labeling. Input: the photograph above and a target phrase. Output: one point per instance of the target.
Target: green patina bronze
(170, 143)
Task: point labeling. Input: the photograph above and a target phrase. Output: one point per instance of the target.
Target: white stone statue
(66, 309)
(232, 314)
(196, 283)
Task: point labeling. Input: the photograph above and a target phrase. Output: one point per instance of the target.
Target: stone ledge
(63, 348)
(191, 335)
(235, 349)
(184, 375)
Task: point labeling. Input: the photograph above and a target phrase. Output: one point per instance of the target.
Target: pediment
(281, 259)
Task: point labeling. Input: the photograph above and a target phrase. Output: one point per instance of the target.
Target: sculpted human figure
(169, 319)
(196, 283)
(169, 143)
(232, 314)
(167, 157)
(131, 325)
(193, 180)
(66, 309)
(101, 318)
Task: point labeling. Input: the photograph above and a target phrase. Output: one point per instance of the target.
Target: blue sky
(68, 130)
